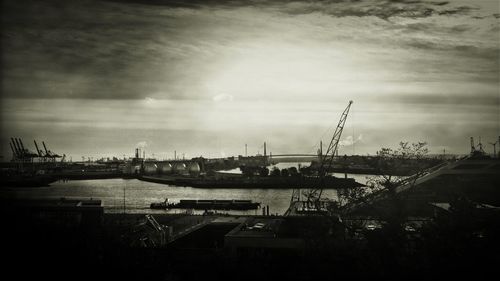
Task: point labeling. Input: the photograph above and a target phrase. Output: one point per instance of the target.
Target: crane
(313, 194)
(480, 146)
(19, 151)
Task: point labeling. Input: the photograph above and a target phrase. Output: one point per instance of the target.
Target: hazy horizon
(100, 78)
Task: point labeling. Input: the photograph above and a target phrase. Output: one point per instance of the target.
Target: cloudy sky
(98, 78)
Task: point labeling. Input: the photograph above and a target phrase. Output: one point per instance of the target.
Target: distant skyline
(100, 78)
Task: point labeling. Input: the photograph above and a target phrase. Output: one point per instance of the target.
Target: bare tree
(398, 167)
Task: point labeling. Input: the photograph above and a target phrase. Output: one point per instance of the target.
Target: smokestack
(246, 154)
(265, 149)
(137, 153)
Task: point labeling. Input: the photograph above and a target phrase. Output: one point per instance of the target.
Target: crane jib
(313, 194)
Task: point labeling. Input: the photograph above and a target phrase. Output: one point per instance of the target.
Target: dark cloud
(383, 9)
(132, 54)
(79, 47)
(129, 49)
(466, 61)
(432, 27)
(488, 102)
(380, 9)
(462, 10)
(440, 3)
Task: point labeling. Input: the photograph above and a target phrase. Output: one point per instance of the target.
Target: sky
(100, 78)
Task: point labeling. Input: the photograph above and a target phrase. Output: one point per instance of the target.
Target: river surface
(135, 196)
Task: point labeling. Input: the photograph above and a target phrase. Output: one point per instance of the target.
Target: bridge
(293, 155)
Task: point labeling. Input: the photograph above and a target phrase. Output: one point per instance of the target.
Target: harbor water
(135, 196)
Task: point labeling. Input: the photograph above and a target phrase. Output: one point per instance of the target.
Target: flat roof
(229, 220)
(54, 203)
(257, 227)
(446, 206)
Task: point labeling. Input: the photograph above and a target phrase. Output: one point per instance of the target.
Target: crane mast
(313, 194)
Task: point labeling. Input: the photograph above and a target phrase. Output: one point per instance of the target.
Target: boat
(215, 204)
(25, 180)
(239, 181)
(160, 205)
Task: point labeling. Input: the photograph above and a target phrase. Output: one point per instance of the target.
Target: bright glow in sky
(97, 78)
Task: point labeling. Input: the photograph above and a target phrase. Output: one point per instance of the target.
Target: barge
(25, 180)
(252, 182)
(215, 204)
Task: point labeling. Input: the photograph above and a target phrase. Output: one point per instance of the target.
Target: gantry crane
(19, 152)
(313, 194)
(22, 154)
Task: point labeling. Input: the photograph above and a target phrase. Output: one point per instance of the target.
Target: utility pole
(246, 151)
(494, 149)
(124, 199)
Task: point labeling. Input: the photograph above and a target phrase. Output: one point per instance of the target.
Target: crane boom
(21, 152)
(38, 151)
(22, 146)
(17, 152)
(47, 154)
(12, 148)
(332, 148)
(314, 194)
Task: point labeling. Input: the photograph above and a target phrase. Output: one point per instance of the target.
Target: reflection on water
(134, 196)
